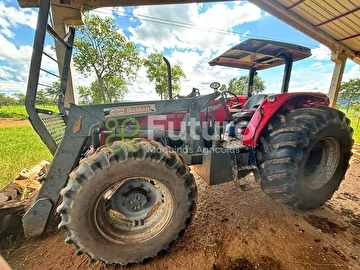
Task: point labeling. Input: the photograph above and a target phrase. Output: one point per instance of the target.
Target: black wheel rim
(321, 163)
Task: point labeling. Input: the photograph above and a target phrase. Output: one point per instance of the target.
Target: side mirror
(215, 85)
(223, 87)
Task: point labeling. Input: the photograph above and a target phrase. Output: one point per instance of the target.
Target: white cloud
(119, 11)
(194, 37)
(186, 59)
(8, 51)
(321, 53)
(104, 12)
(11, 16)
(109, 12)
(245, 34)
(353, 73)
(183, 26)
(317, 64)
(141, 88)
(4, 73)
(13, 79)
(7, 32)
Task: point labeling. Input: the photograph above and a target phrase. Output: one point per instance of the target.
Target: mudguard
(279, 103)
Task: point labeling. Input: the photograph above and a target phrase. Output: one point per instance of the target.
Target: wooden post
(340, 61)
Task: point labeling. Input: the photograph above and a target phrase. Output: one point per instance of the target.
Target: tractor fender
(279, 103)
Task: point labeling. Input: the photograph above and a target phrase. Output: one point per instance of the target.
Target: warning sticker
(129, 110)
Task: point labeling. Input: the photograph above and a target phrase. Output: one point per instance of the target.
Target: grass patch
(354, 121)
(20, 147)
(354, 124)
(20, 111)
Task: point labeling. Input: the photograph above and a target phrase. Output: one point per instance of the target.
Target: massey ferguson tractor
(120, 179)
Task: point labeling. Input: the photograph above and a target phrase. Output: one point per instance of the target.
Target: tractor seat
(249, 107)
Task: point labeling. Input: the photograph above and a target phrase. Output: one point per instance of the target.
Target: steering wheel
(226, 95)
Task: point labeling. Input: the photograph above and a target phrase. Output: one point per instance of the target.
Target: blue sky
(189, 35)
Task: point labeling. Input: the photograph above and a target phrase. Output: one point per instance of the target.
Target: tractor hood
(260, 54)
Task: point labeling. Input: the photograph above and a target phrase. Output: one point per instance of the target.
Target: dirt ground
(236, 229)
(13, 122)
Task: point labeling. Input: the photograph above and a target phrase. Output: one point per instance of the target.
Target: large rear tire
(304, 154)
(126, 206)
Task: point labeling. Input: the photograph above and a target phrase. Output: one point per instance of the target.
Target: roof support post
(340, 61)
(59, 16)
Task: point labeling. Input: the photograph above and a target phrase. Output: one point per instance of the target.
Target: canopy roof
(334, 23)
(260, 54)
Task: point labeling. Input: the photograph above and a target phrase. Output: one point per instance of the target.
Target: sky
(189, 35)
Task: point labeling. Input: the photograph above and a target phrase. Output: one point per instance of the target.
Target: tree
(239, 85)
(156, 72)
(3, 99)
(20, 98)
(6, 100)
(89, 95)
(53, 92)
(101, 49)
(356, 106)
(350, 91)
(42, 98)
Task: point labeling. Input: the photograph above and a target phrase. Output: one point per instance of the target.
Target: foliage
(239, 85)
(19, 112)
(354, 117)
(156, 71)
(53, 92)
(41, 98)
(350, 91)
(19, 98)
(89, 95)
(20, 147)
(338, 106)
(6, 100)
(356, 106)
(100, 48)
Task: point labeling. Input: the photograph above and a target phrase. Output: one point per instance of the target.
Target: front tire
(126, 206)
(304, 154)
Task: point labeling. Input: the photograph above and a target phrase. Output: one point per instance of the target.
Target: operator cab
(260, 54)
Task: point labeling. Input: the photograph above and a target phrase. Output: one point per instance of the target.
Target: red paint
(283, 102)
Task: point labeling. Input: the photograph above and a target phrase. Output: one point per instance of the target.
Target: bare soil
(13, 122)
(236, 229)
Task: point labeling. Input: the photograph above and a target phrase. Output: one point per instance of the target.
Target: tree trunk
(101, 87)
(348, 106)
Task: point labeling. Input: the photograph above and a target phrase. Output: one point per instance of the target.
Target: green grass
(19, 111)
(354, 125)
(20, 147)
(356, 135)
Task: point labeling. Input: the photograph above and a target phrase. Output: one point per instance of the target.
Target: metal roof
(260, 54)
(334, 23)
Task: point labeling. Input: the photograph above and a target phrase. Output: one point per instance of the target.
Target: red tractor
(120, 178)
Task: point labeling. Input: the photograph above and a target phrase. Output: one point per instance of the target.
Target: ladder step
(56, 36)
(55, 125)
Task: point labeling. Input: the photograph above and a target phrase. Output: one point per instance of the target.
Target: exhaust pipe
(169, 76)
